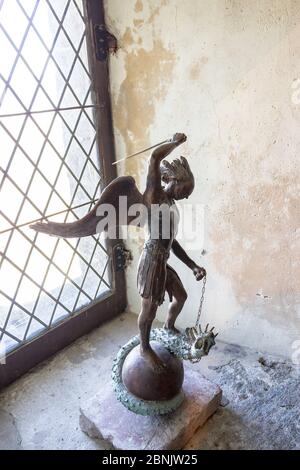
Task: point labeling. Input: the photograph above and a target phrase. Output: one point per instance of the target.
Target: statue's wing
(89, 225)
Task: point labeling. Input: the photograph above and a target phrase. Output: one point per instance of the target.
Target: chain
(201, 302)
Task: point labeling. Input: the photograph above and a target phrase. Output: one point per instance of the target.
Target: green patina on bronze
(191, 345)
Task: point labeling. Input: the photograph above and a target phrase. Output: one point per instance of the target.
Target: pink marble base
(106, 418)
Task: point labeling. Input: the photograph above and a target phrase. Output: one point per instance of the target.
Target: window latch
(123, 257)
(104, 42)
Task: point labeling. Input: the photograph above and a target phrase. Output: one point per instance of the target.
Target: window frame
(113, 302)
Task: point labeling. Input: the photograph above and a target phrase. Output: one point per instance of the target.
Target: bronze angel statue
(166, 183)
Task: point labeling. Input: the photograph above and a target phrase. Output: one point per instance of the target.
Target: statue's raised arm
(153, 184)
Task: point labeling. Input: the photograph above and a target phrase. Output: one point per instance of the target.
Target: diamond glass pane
(49, 167)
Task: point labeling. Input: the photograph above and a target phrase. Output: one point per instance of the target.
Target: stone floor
(261, 406)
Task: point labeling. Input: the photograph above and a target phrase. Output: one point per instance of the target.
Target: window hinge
(104, 42)
(122, 257)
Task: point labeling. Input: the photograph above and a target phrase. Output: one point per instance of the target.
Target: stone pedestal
(106, 418)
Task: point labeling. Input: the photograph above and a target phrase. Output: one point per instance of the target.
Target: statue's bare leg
(177, 292)
(145, 321)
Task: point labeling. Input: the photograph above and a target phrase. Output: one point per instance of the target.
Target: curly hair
(178, 169)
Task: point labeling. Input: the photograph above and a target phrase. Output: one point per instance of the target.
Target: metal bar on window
(73, 123)
(53, 110)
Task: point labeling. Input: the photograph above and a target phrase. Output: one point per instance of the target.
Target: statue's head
(178, 178)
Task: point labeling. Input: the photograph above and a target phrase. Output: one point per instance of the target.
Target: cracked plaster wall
(225, 72)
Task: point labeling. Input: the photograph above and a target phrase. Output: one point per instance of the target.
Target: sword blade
(141, 151)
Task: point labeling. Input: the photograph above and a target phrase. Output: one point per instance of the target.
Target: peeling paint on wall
(138, 6)
(224, 75)
(195, 69)
(147, 75)
(256, 236)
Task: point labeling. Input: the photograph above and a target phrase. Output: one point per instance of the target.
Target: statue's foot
(172, 329)
(153, 360)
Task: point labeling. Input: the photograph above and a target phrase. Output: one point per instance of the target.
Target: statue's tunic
(153, 270)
